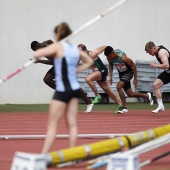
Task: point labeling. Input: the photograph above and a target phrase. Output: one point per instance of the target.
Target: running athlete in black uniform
(67, 91)
(163, 56)
(126, 69)
(49, 78)
(99, 74)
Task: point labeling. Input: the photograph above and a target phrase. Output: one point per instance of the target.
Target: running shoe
(89, 108)
(150, 99)
(119, 108)
(159, 109)
(124, 110)
(96, 99)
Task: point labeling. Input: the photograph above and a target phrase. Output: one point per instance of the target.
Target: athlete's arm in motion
(110, 72)
(87, 62)
(35, 45)
(163, 55)
(50, 51)
(133, 66)
(94, 54)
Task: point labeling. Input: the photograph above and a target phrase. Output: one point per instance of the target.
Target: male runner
(126, 69)
(163, 57)
(49, 77)
(99, 74)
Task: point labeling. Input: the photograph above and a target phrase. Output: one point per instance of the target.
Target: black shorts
(164, 77)
(126, 77)
(104, 74)
(66, 96)
(52, 72)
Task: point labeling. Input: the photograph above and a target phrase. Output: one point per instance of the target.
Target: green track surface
(81, 107)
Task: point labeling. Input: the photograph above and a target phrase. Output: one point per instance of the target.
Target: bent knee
(155, 85)
(130, 95)
(118, 87)
(88, 79)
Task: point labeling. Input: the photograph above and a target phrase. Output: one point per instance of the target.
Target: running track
(93, 123)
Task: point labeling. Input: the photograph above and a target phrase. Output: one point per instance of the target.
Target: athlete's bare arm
(42, 45)
(110, 72)
(87, 62)
(49, 51)
(94, 54)
(163, 55)
(130, 62)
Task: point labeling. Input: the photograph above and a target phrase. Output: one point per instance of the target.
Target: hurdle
(112, 158)
(153, 137)
(128, 160)
(106, 146)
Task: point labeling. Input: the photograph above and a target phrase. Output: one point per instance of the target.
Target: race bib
(121, 67)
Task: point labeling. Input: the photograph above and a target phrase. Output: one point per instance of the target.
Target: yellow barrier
(106, 146)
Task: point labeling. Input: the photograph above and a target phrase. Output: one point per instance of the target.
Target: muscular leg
(130, 94)
(119, 87)
(56, 110)
(90, 78)
(71, 120)
(156, 87)
(105, 86)
(84, 97)
(48, 79)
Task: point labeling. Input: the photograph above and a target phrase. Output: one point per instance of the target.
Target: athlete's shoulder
(162, 52)
(118, 50)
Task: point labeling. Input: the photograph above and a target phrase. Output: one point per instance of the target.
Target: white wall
(21, 21)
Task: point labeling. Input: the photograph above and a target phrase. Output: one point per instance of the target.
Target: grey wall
(22, 21)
